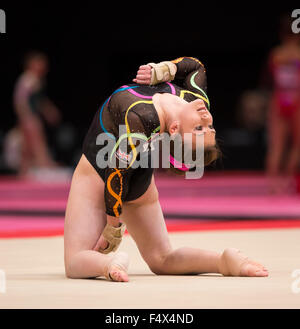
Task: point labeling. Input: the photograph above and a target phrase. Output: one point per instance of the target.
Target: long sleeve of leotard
(193, 74)
(117, 179)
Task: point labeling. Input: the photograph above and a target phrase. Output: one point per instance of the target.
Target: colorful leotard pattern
(286, 78)
(131, 105)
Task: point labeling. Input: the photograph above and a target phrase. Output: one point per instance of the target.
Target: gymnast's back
(131, 106)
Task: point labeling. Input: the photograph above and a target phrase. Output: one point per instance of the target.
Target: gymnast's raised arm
(188, 72)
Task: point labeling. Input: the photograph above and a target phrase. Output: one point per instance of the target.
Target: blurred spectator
(32, 106)
(282, 78)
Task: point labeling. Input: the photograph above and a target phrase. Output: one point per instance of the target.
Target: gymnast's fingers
(101, 244)
(144, 73)
(145, 67)
(143, 76)
(146, 70)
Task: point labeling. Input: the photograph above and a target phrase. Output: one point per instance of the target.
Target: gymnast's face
(196, 119)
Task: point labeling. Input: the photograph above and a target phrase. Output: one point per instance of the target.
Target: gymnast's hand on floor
(143, 75)
(101, 244)
(111, 236)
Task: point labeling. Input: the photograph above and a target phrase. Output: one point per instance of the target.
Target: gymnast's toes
(117, 270)
(118, 275)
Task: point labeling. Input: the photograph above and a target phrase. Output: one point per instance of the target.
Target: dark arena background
(92, 50)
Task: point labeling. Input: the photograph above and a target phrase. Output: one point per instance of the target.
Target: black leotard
(132, 106)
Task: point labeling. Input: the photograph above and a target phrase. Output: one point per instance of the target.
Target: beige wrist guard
(162, 72)
(113, 235)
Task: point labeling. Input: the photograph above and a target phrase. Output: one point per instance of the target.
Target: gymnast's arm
(189, 71)
(193, 74)
(117, 179)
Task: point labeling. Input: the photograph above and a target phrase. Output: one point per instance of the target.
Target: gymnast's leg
(84, 223)
(145, 223)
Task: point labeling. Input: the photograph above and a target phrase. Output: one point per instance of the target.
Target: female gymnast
(103, 200)
(283, 154)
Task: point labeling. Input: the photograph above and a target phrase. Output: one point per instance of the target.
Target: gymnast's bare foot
(117, 274)
(117, 269)
(234, 263)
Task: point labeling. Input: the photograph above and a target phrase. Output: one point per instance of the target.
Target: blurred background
(84, 52)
